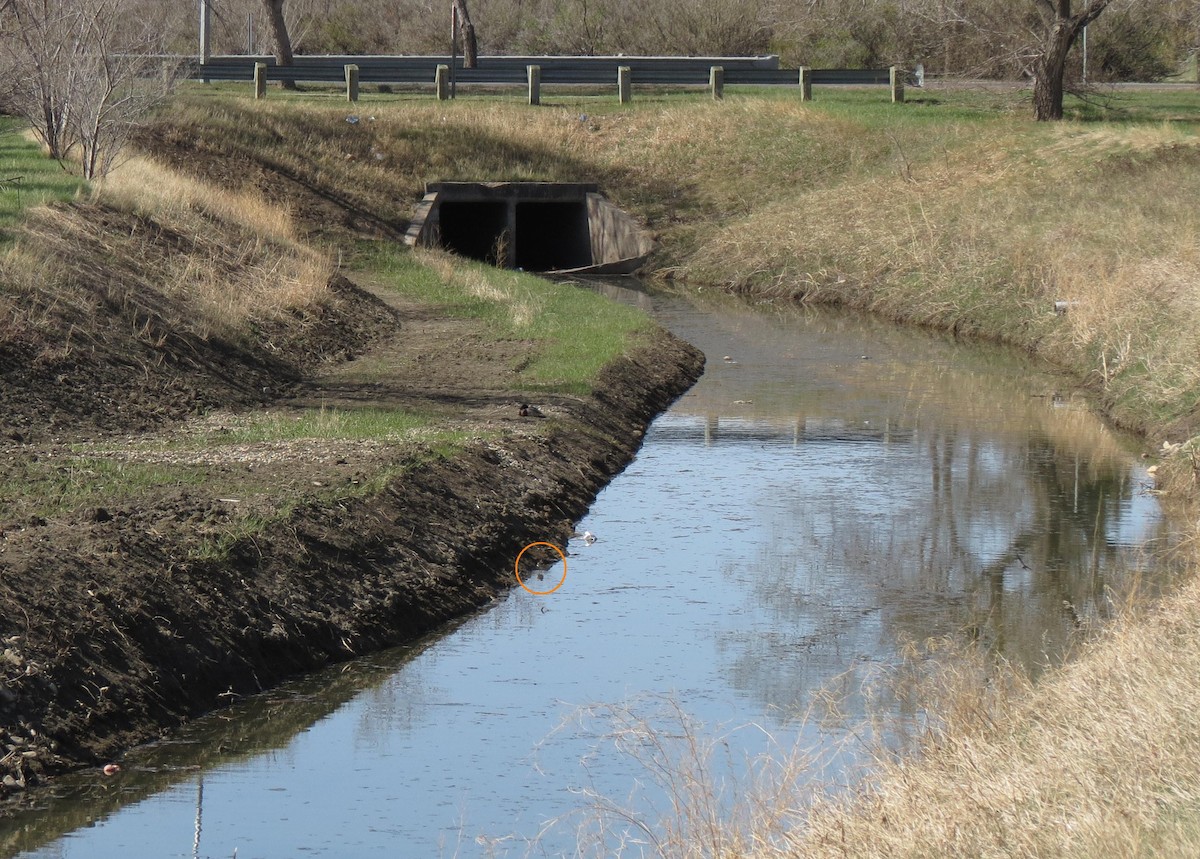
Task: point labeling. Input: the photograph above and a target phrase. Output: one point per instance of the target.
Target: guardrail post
(805, 83)
(896, 78)
(535, 84)
(260, 80)
(716, 82)
(441, 79)
(351, 82)
(624, 90)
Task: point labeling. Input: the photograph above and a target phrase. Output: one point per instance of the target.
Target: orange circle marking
(560, 581)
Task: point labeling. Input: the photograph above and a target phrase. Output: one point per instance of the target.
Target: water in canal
(831, 489)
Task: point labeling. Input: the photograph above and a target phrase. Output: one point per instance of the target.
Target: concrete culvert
(535, 226)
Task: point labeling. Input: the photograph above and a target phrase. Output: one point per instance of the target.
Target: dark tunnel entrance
(535, 235)
(552, 236)
(536, 226)
(478, 230)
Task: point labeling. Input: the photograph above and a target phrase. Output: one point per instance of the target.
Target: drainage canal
(535, 226)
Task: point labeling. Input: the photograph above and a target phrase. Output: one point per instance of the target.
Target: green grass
(49, 487)
(1109, 105)
(324, 423)
(27, 177)
(579, 333)
(573, 331)
(404, 274)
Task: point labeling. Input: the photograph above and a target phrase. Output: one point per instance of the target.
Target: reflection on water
(830, 489)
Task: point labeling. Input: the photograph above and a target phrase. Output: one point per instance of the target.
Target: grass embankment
(952, 211)
(187, 262)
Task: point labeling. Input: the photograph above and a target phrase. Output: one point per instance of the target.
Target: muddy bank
(116, 636)
(150, 572)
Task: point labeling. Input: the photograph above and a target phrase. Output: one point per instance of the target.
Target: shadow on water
(233, 735)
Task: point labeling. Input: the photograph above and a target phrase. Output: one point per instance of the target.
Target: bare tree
(82, 75)
(119, 81)
(1064, 27)
(280, 40)
(38, 60)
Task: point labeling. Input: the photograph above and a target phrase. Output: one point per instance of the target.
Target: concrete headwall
(615, 236)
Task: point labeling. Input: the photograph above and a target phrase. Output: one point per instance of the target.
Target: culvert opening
(552, 236)
(478, 230)
(536, 226)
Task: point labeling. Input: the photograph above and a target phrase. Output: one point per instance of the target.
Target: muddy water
(831, 489)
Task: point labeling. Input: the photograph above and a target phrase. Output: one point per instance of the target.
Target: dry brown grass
(269, 271)
(1099, 759)
(172, 253)
(145, 186)
(698, 798)
(986, 239)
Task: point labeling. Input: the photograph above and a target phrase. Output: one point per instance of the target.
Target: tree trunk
(1052, 64)
(280, 39)
(1051, 69)
(470, 46)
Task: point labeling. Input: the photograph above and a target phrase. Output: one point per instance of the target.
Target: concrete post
(896, 76)
(535, 84)
(441, 79)
(805, 83)
(624, 87)
(260, 80)
(716, 82)
(351, 82)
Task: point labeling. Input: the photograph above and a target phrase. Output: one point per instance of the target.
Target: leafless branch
(82, 75)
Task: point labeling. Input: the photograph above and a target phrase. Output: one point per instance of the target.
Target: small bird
(589, 537)
(528, 411)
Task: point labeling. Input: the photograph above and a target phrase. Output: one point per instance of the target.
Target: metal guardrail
(599, 71)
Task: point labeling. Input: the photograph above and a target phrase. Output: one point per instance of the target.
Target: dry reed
(227, 257)
(1097, 759)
